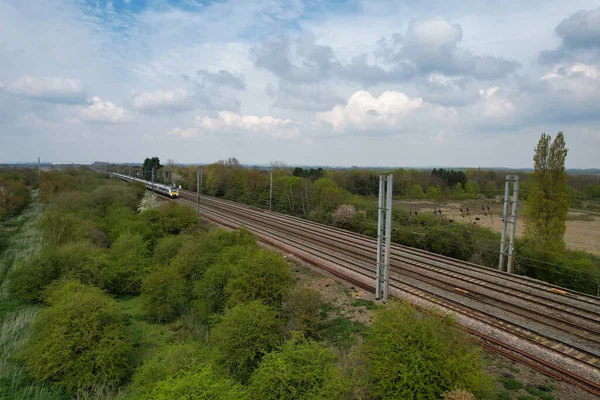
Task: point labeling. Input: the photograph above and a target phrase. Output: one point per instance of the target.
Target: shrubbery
(198, 254)
(167, 363)
(14, 194)
(455, 241)
(163, 294)
(262, 275)
(296, 371)
(243, 336)
(413, 355)
(571, 269)
(202, 383)
(128, 262)
(302, 308)
(59, 227)
(167, 248)
(210, 290)
(82, 261)
(78, 341)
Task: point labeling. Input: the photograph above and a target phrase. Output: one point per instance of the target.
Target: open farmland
(583, 229)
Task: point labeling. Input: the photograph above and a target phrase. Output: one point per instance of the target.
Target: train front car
(174, 192)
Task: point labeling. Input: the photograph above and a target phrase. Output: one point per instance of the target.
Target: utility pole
(270, 188)
(152, 175)
(509, 247)
(384, 239)
(39, 168)
(198, 191)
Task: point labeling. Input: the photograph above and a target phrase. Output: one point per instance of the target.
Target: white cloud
(99, 111)
(494, 105)
(53, 89)
(189, 133)
(576, 70)
(253, 125)
(581, 81)
(363, 111)
(436, 32)
(178, 99)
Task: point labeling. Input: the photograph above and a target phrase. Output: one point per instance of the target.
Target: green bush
(128, 261)
(167, 363)
(198, 254)
(200, 384)
(78, 341)
(59, 227)
(296, 371)
(452, 241)
(167, 248)
(113, 191)
(263, 275)
(210, 290)
(302, 308)
(81, 260)
(572, 269)
(170, 219)
(119, 219)
(163, 294)
(177, 218)
(244, 335)
(414, 355)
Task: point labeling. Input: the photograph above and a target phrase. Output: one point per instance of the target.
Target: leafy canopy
(549, 199)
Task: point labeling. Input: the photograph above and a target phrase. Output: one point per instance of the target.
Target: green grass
(510, 383)
(526, 397)
(341, 332)
(537, 391)
(504, 395)
(23, 240)
(326, 309)
(148, 337)
(367, 303)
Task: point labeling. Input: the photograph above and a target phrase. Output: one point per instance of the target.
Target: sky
(308, 82)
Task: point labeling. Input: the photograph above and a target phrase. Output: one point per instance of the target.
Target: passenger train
(170, 191)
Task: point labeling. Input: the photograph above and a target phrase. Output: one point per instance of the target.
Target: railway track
(548, 328)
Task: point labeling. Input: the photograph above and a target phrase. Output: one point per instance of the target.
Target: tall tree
(151, 164)
(548, 202)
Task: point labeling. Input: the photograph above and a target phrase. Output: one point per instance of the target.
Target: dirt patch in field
(583, 229)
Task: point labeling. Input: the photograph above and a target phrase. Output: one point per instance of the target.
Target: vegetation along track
(523, 319)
